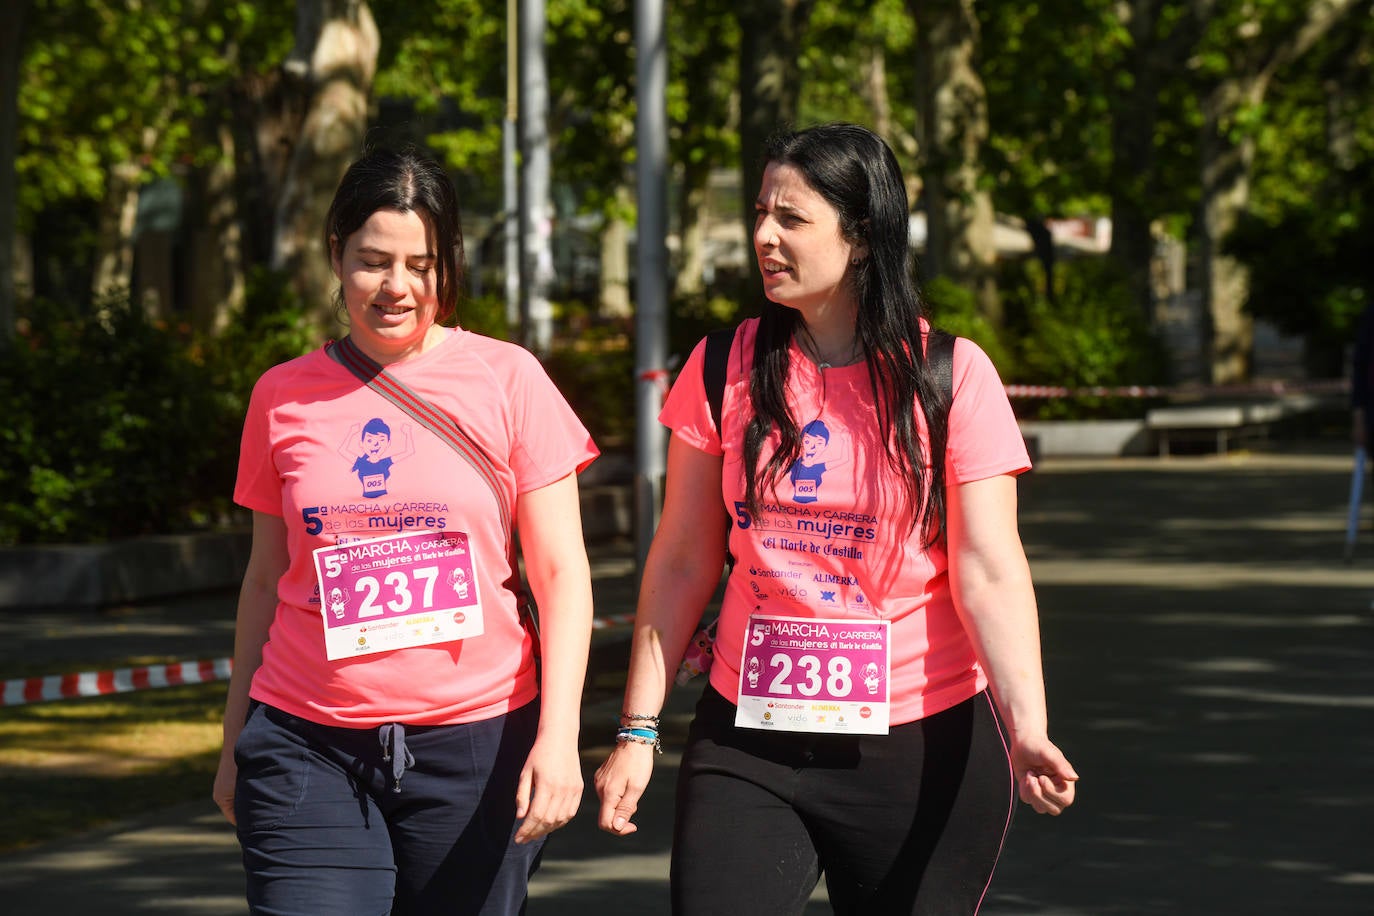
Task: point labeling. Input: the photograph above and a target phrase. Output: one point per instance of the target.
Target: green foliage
(117, 426)
(953, 308)
(485, 315)
(112, 430)
(1305, 238)
(1310, 267)
(839, 86)
(1047, 71)
(1090, 334)
(273, 327)
(107, 83)
(597, 376)
(694, 316)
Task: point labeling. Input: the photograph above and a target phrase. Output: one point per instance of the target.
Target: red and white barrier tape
(19, 691)
(658, 378)
(1319, 386)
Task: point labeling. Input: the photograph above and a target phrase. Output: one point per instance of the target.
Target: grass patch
(73, 765)
(79, 764)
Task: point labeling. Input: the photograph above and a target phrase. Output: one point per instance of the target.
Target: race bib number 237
(394, 592)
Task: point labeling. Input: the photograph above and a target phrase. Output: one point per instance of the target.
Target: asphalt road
(1210, 665)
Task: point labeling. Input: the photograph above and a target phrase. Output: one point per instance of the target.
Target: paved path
(1211, 674)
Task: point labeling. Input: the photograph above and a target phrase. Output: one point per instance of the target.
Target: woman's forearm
(565, 626)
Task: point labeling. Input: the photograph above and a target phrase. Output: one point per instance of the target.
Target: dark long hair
(408, 182)
(857, 173)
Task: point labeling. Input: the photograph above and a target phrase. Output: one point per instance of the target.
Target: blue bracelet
(640, 736)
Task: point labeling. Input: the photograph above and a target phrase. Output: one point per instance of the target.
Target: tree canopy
(1093, 108)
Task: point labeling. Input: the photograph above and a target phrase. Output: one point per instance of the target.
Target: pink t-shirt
(834, 541)
(342, 464)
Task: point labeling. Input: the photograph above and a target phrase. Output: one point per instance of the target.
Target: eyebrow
(759, 204)
(364, 249)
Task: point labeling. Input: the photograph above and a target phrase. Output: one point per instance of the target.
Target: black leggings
(908, 822)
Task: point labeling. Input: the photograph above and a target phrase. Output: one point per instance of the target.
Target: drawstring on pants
(394, 751)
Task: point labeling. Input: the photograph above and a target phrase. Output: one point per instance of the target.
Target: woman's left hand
(1044, 777)
(550, 790)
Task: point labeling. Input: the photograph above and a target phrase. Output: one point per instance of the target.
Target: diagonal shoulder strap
(372, 374)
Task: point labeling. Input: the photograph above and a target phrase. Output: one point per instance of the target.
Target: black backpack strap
(713, 369)
(713, 372)
(940, 357)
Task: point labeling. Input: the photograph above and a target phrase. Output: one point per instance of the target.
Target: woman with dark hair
(396, 748)
(883, 616)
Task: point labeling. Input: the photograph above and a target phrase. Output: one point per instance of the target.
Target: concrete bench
(1224, 421)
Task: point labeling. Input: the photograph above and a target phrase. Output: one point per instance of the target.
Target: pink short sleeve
(685, 410)
(984, 439)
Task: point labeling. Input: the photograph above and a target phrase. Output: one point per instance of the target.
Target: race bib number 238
(814, 675)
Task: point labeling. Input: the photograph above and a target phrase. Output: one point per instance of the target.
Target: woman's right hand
(620, 784)
(225, 777)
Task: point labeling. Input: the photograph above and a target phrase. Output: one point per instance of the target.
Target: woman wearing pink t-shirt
(879, 617)
(390, 744)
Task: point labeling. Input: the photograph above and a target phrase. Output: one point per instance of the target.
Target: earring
(855, 261)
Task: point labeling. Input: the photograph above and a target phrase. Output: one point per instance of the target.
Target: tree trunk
(11, 45)
(708, 111)
(1228, 331)
(769, 84)
(217, 286)
(875, 90)
(1135, 110)
(114, 259)
(1225, 171)
(333, 63)
(953, 105)
(690, 277)
(615, 262)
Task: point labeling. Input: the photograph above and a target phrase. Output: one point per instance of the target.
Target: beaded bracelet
(639, 717)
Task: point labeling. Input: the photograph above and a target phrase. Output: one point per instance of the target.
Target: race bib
(413, 589)
(807, 675)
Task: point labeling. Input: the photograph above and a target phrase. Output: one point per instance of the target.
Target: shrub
(112, 428)
(596, 373)
(118, 425)
(1091, 334)
(953, 308)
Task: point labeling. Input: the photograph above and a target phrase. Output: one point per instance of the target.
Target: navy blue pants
(324, 829)
(908, 822)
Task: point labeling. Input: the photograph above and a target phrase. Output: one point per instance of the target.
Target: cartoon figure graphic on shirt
(821, 452)
(338, 602)
(458, 581)
(752, 671)
(370, 453)
(870, 674)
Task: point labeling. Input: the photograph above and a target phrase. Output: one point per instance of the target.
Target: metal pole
(509, 178)
(536, 220)
(651, 282)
